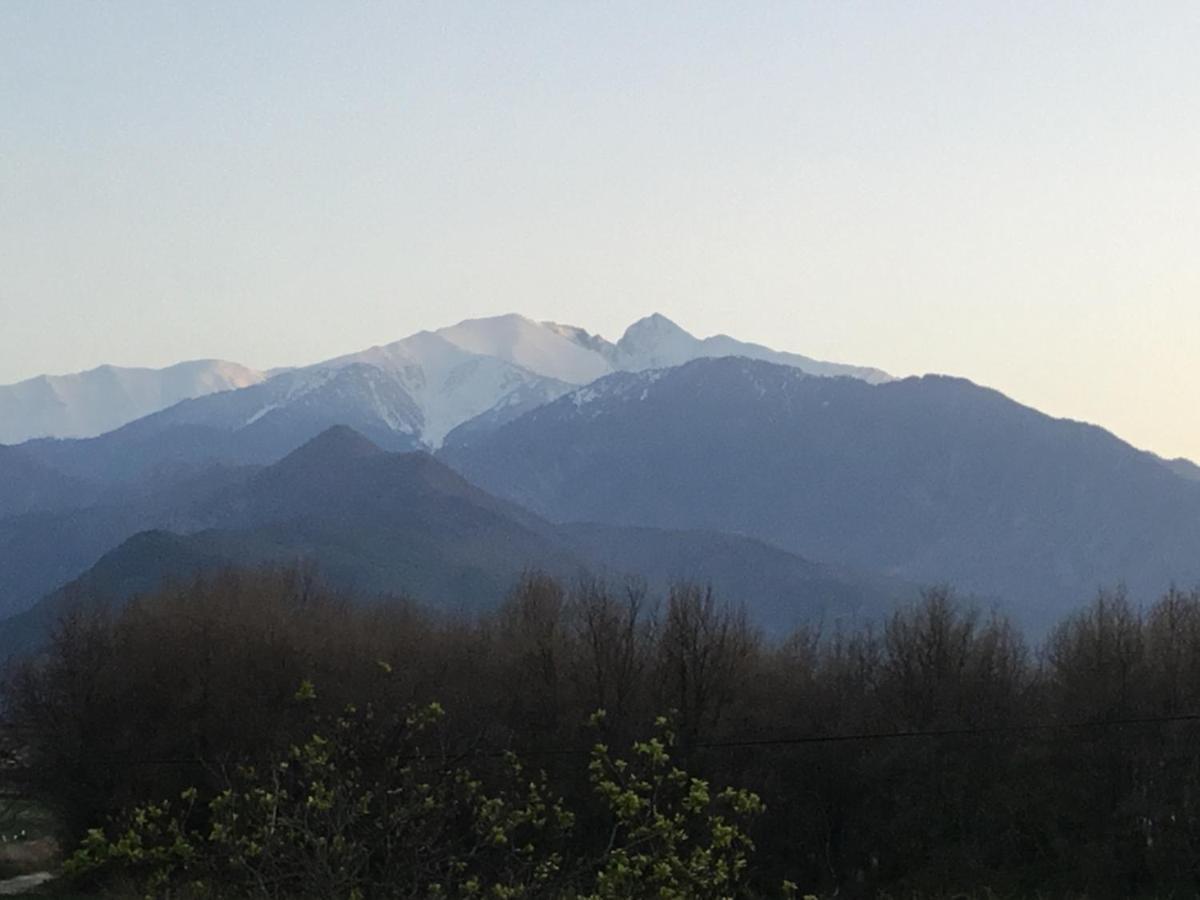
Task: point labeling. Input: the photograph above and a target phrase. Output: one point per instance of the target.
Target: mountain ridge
(927, 479)
(477, 373)
(388, 523)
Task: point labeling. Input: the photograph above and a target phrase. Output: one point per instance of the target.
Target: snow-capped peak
(656, 342)
(653, 327)
(530, 345)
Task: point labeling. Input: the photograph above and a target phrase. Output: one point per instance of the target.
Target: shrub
(365, 808)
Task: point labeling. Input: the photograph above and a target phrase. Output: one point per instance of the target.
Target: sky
(1009, 192)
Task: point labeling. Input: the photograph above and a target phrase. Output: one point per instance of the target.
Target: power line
(754, 743)
(1098, 724)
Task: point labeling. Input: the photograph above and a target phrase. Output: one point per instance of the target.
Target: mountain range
(443, 464)
(381, 523)
(411, 392)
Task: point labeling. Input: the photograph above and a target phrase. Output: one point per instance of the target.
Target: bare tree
(704, 650)
(613, 637)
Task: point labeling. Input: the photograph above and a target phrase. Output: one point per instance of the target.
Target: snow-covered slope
(530, 345)
(93, 402)
(483, 366)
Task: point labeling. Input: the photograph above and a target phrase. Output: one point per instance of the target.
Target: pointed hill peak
(342, 459)
(335, 445)
(655, 325)
(656, 342)
(340, 476)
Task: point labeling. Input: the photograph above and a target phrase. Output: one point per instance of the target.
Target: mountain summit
(339, 445)
(655, 342)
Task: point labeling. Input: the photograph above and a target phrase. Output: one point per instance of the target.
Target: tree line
(937, 752)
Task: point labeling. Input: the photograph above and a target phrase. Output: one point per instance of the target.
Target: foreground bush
(367, 808)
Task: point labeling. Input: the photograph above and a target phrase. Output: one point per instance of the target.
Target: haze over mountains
(806, 489)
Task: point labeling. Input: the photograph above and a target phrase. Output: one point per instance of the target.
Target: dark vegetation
(935, 754)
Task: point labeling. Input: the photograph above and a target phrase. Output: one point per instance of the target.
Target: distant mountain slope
(28, 484)
(1185, 468)
(418, 524)
(255, 425)
(90, 403)
(324, 495)
(140, 564)
(382, 522)
(927, 479)
(780, 589)
(41, 550)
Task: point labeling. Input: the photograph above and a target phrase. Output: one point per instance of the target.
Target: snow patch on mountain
(593, 399)
(270, 407)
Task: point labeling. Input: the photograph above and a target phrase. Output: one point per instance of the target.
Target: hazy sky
(1006, 191)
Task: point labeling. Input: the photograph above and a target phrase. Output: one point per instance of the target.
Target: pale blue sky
(1007, 191)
